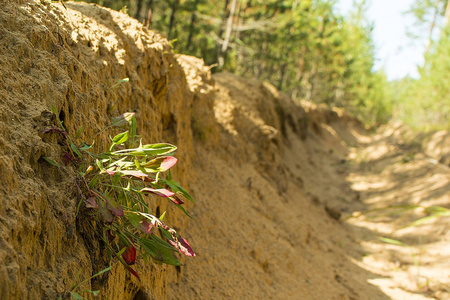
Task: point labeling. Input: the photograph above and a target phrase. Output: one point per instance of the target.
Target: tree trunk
(282, 74)
(192, 25)
(432, 25)
(226, 13)
(148, 22)
(447, 14)
(172, 16)
(137, 14)
(226, 41)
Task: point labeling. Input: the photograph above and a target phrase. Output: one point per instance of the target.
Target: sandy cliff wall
(259, 165)
(70, 58)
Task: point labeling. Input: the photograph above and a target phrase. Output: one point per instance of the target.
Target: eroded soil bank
(282, 189)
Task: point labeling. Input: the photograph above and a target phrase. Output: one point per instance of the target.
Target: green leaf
(422, 220)
(75, 149)
(163, 243)
(159, 252)
(100, 165)
(54, 110)
(116, 85)
(93, 181)
(120, 138)
(116, 179)
(122, 251)
(85, 147)
(51, 161)
(138, 165)
(135, 220)
(434, 211)
(165, 233)
(122, 120)
(148, 150)
(149, 247)
(132, 130)
(168, 257)
(121, 163)
(79, 131)
(174, 186)
(393, 242)
(183, 210)
(76, 296)
(437, 210)
(86, 280)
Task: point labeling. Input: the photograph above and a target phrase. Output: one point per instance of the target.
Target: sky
(398, 54)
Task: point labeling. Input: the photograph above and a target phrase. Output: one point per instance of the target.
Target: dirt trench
(286, 192)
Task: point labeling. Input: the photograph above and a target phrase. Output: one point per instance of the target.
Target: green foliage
(115, 183)
(424, 103)
(432, 212)
(428, 14)
(76, 292)
(302, 47)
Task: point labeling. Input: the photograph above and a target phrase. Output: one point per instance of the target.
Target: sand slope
(282, 188)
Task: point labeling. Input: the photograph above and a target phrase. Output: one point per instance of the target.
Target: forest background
(308, 50)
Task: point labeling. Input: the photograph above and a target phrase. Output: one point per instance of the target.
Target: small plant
(115, 182)
(432, 212)
(392, 210)
(115, 86)
(76, 292)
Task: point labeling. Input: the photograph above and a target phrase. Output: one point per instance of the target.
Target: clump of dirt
(283, 190)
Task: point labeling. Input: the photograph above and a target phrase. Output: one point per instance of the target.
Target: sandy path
(274, 215)
(387, 172)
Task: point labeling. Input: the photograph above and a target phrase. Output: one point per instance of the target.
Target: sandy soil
(284, 228)
(291, 199)
(298, 226)
(389, 172)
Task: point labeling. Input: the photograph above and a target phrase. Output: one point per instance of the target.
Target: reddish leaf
(157, 223)
(53, 130)
(68, 158)
(106, 214)
(110, 236)
(140, 223)
(137, 174)
(110, 172)
(91, 203)
(161, 164)
(159, 192)
(146, 227)
(176, 200)
(182, 245)
(169, 162)
(132, 272)
(114, 207)
(187, 249)
(129, 256)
